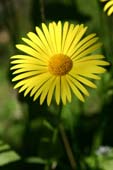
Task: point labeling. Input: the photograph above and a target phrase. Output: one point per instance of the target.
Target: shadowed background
(30, 129)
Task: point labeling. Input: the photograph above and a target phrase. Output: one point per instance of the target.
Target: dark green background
(32, 130)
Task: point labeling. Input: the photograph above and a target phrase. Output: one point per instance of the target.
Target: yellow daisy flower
(57, 62)
(108, 6)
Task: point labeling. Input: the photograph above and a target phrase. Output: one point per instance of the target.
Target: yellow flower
(57, 62)
(108, 6)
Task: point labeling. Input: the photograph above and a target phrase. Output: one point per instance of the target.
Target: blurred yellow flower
(108, 6)
(57, 62)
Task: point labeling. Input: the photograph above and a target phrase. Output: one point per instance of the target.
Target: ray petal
(25, 86)
(52, 36)
(43, 49)
(67, 89)
(110, 11)
(44, 40)
(47, 35)
(84, 47)
(41, 79)
(58, 35)
(64, 34)
(82, 42)
(29, 88)
(50, 92)
(75, 90)
(37, 48)
(79, 85)
(29, 60)
(79, 54)
(90, 57)
(19, 84)
(70, 37)
(107, 5)
(63, 90)
(26, 75)
(67, 38)
(43, 85)
(83, 68)
(80, 33)
(28, 67)
(58, 90)
(82, 80)
(45, 89)
(85, 81)
(28, 50)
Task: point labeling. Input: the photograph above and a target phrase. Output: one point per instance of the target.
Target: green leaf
(106, 161)
(7, 155)
(36, 160)
(4, 147)
(48, 125)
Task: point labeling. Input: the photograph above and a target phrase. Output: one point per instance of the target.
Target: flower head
(108, 6)
(57, 62)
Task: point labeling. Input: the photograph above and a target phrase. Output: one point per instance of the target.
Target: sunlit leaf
(7, 155)
(36, 160)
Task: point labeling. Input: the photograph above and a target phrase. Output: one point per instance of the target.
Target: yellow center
(60, 64)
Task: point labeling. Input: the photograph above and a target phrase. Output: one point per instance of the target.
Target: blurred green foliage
(33, 130)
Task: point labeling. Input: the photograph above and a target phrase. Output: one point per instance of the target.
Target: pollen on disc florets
(60, 64)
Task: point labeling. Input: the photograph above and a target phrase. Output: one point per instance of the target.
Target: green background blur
(31, 130)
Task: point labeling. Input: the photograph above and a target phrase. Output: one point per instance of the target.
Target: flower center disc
(60, 64)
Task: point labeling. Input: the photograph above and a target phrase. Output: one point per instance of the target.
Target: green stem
(42, 10)
(67, 147)
(66, 142)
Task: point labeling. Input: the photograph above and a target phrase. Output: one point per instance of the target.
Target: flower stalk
(67, 147)
(42, 10)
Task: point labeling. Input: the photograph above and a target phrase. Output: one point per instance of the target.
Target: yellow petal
(80, 54)
(83, 80)
(39, 81)
(19, 56)
(29, 60)
(44, 41)
(58, 35)
(107, 5)
(50, 92)
(58, 90)
(29, 88)
(74, 48)
(37, 48)
(103, 0)
(90, 57)
(28, 50)
(23, 88)
(31, 43)
(110, 11)
(70, 36)
(78, 36)
(47, 35)
(26, 75)
(32, 36)
(78, 85)
(67, 89)
(64, 32)
(63, 90)
(29, 67)
(45, 89)
(52, 36)
(75, 90)
(20, 83)
(85, 46)
(88, 67)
